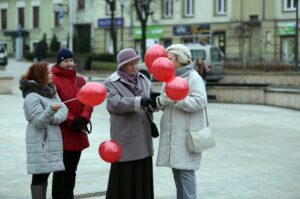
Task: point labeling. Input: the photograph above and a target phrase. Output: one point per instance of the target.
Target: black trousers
(39, 179)
(63, 182)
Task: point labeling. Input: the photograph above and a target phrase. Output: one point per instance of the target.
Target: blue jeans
(185, 181)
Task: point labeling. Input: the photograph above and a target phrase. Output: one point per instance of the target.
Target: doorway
(82, 38)
(287, 49)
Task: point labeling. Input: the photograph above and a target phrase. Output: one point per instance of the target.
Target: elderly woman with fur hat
(178, 118)
(128, 102)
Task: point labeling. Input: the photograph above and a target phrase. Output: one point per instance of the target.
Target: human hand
(55, 106)
(154, 95)
(145, 102)
(164, 100)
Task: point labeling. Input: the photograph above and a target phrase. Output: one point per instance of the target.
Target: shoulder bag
(199, 141)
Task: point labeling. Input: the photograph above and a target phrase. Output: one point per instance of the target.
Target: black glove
(145, 102)
(78, 124)
(154, 95)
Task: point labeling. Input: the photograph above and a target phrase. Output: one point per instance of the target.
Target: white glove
(164, 100)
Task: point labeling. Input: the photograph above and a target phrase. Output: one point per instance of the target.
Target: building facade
(252, 31)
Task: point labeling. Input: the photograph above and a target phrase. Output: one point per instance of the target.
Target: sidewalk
(257, 153)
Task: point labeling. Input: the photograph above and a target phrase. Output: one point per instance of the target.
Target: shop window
(3, 19)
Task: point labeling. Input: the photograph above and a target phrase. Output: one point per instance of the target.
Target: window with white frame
(167, 8)
(289, 5)
(36, 17)
(220, 7)
(21, 17)
(80, 4)
(3, 19)
(188, 8)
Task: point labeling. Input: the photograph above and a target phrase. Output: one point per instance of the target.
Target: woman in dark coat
(127, 102)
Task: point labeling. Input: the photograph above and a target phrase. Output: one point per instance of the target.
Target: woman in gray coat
(127, 103)
(44, 112)
(179, 117)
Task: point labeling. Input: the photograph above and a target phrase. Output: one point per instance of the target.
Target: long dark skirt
(131, 180)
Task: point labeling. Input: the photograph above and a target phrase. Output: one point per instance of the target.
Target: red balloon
(153, 53)
(163, 69)
(177, 89)
(110, 151)
(92, 94)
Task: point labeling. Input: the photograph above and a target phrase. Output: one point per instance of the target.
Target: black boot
(37, 192)
(45, 185)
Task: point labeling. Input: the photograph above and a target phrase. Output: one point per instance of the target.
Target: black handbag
(154, 129)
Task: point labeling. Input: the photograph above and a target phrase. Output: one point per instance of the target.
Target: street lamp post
(71, 25)
(122, 27)
(296, 37)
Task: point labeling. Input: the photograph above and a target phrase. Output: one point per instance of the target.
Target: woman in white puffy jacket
(178, 118)
(44, 112)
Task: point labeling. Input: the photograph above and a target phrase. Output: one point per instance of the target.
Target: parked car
(3, 55)
(211, 55)
(213, 58)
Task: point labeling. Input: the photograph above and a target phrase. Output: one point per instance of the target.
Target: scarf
(29, 86)
(131, 80)
(183, 71)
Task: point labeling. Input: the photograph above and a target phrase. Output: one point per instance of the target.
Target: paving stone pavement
(257, 153)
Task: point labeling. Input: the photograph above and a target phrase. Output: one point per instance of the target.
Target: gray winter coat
(177, 120)
(43, 135)
(129, 124)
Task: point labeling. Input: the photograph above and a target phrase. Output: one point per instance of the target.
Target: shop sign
(286, 28)
(181, 30)
(195, 29)
(105, 22)
(152, 32)
(200, 29)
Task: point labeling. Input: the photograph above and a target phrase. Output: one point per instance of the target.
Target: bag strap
(207, 122)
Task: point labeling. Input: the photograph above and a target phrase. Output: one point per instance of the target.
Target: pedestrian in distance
(75, 138)
(199, 66)
(178, 118)
(44, 112)
(129, 104)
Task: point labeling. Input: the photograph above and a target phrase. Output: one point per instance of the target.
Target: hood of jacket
(59, 71)
(29, 86)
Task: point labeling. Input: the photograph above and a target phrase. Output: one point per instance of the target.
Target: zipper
(45, 138)
(170, 136)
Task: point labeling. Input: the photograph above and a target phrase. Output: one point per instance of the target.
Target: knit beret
(183, 53)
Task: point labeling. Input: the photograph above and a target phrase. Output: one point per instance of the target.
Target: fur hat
(125, 56)
(63, 54)
(184, 54)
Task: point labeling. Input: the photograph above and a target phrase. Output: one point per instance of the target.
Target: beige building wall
(46, 22)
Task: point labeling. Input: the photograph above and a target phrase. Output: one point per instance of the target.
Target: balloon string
(69, 100)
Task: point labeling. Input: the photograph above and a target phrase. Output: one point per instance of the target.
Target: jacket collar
(184, 71)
